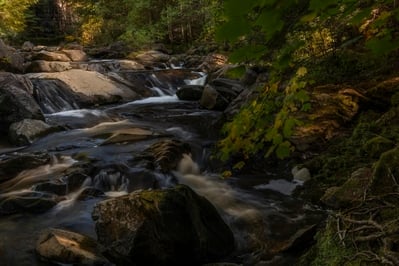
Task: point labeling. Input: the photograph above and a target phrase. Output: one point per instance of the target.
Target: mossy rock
(385, 171)
(162, 227)
(374, 147)
(351, 192)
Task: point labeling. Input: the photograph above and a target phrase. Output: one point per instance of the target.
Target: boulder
(65, 247)
(27, 130)
(27, 202)
(16, 100)
(55, 187)
(351, 192)
(47, 66)
(190, 92)
(162, 227)
(152, 58)
(27, 46)
(12, 164)
(51, 56)
(75, 55)
(91, 86)
(332, 107)
(10, 60)
(212, 99)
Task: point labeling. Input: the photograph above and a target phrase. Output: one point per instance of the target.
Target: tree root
(372, 230)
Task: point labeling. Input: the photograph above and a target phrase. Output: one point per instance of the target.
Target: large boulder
(333, 106)
(162, 227)
(65, 247)
(91, 86)
(16, 100)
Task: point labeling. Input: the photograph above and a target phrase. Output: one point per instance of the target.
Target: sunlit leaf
(301, 71)
(309, 17)
(239, 165)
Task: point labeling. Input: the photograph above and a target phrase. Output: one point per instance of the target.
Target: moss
(385, 172)
(377, 145)
(395, 99)
(328, 250)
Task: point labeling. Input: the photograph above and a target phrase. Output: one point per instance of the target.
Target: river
(260, 209)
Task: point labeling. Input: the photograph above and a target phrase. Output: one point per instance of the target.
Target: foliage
(13, 14)
(289, 36)
(145, 22)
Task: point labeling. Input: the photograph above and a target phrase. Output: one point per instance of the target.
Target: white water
(78, 113)
(236, 207)
(199, 81)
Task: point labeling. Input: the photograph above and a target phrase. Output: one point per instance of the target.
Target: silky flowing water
(259, 209)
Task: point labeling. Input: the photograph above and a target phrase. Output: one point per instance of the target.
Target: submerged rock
(162, 227)
(65, 247)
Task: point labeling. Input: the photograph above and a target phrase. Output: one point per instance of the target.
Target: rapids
(260, 211)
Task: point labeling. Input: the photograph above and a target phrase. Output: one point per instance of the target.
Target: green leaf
(302, 96)
(239, 165)
(309, 17)
(288, 127)
(301, 71)
(277, 139)
(361, 16)
(233, 29)
(306, 107)
(283, 150)
(238, 7)
(320, 5)
(271, 22)
(247, 53)
(382, 46)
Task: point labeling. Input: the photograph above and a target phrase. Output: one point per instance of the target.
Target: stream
(100, 146)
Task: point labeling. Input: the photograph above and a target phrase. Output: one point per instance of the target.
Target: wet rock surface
(61, 246)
